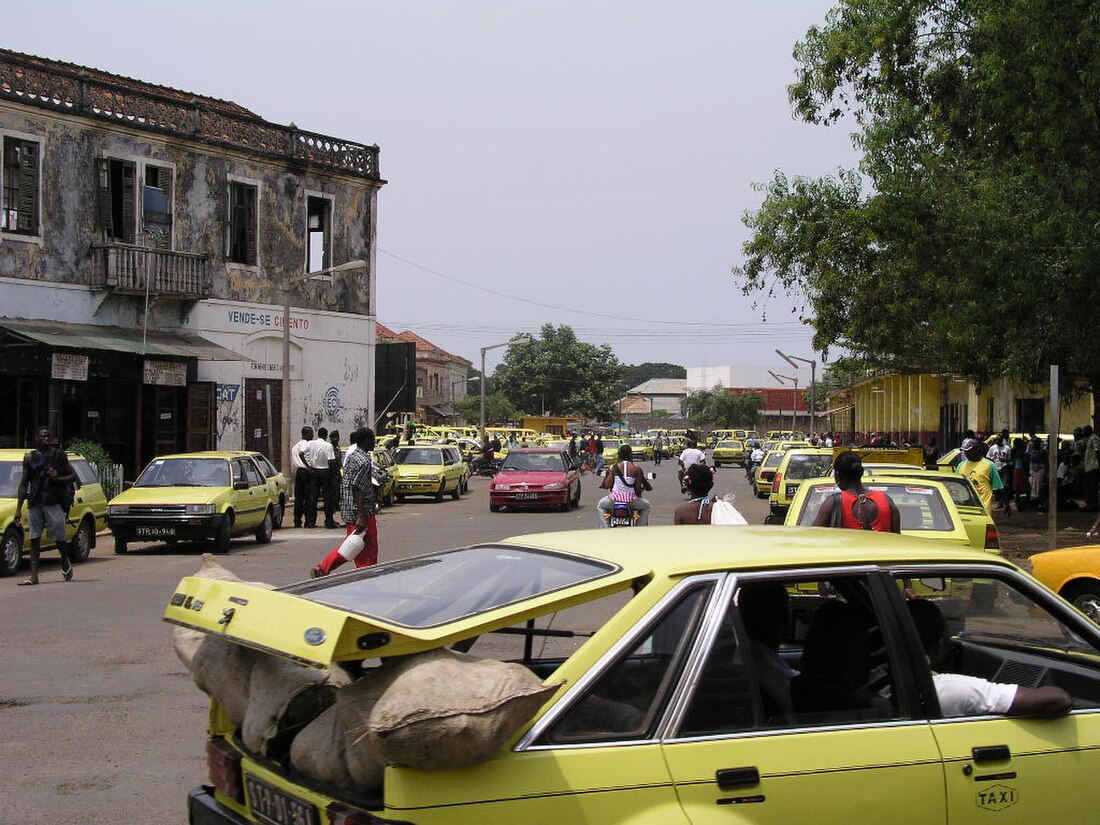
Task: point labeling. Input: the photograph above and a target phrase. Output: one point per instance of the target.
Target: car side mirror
(240, 485)
(126, 485)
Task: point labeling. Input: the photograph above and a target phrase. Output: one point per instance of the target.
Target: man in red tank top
(860, 508)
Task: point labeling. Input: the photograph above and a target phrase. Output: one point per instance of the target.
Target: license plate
(791, 490)
(620, 521)
(527, 496)
(274, 806)
(154, 532)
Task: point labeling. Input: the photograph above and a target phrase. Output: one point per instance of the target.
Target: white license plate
(620, 521)
(274, 806)
(154, 532)
(527, 496)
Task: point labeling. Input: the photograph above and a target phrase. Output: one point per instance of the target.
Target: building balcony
(137, 270)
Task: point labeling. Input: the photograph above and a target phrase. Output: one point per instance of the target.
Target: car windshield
(10, 473)
(921, 507)
(185, 472)
(808, 466)
(611, 444)
(418, 455)
(534, 462)
(433, 590)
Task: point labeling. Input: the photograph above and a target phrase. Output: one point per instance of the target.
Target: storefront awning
(835, 410)
(154, 343)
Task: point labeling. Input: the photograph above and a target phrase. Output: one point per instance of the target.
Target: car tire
(1085, 596)
(224, 534)
(81, 546)
(277, 514)
(494, 508)
(456, 493)
(11, 551)
(465, 485)
(388, 499)
(120, 546)
(439, 492)
(575, 502)
(263, 531)
(400, 497)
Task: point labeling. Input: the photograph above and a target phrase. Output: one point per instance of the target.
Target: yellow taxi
(277, 483)
(641, 448)
(689, 682)
(1074, 574)
(796, 465)
(729, 451)
(86, 517)
(194, 496)
(387, 492)
(611, 449)
(764, 472)
(429, 470)
(926, 508)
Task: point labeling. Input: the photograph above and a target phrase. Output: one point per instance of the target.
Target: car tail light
(776, 479)
(992, 538)
(225, 768)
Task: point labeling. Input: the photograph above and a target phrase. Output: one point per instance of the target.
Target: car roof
(226, 454)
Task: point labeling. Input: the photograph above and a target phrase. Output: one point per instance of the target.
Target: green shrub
(92, 451)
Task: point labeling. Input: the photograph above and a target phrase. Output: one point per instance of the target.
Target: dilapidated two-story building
(151, 241)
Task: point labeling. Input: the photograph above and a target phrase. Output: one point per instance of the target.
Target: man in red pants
(357, 497)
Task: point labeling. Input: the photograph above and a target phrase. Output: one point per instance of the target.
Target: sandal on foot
(26, 583)
(67, 575)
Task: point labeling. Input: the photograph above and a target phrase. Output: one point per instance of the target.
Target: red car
(536, 478)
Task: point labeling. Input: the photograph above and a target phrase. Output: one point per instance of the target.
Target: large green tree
(718, 407)
(561, 375)
(498, 409)
(967, 240)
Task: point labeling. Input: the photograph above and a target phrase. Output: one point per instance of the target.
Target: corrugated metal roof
(119, 339)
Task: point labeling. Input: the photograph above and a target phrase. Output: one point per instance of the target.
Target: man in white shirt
(301, 473)
(691, 455)
(316, 455)
(961, 695)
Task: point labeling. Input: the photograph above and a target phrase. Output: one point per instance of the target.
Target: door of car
(250, 496)
(753, 742)
(1004, 630)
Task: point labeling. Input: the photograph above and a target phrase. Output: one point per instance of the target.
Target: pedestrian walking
(658, 450)
(599, 454)
(1091, 464)
(358, 498)
(46, 486)
(300, 466)
(981, 471)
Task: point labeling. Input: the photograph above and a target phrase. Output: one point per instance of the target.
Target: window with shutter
(242, 246)
(156, 205)
(121, 194)
(20, 177)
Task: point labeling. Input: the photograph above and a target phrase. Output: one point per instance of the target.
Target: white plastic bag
(722, 511)
(352, 546)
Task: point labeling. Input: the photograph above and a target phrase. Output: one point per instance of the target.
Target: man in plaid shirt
(358, 494)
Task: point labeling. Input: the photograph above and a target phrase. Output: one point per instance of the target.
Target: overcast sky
(570, 162)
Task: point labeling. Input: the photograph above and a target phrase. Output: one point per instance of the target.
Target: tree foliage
(966, 241)
(718, 407)
(560, 374)
(498, 409)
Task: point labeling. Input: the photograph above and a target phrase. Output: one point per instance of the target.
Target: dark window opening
(318, 234)
(20, 207)
(156, 204)
(118, 199)
(242, 224)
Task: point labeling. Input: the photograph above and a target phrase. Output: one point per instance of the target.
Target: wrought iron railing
(136, 269)
(72, 89)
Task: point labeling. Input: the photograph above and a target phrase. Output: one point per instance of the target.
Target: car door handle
(731, 778)
(991, 753)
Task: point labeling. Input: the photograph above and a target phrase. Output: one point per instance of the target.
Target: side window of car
(253, 475)
(84, 472)
(1001, 631)
(238, 471)
(794, 653)
(626, 701)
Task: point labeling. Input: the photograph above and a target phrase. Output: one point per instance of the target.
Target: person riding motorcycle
(755, 457)
(691, 455)
(626, 481)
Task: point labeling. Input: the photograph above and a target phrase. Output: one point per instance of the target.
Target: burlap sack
(448, 710)
(283, 697)
(223, 670)
(338, 747)
(186, 641)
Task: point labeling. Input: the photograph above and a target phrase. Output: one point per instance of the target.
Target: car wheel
(224, 534)
(277, 514)
(465, 485)
(263, 532)
(456, 493)
(390, 498)
(575, 502)
(81, 546)
(400, 497)
(439, 492)
(1085, 596)
(494, 508)
(11, 551)
(120, 546)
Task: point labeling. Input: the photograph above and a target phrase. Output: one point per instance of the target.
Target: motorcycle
(621, 513)
(482, 466)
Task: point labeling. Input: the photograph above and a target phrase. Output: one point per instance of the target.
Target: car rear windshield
(185, 472)
(809, 466)
(418, 455)
(432, 590)
(534, 462)
(921, 507)
(729, 445)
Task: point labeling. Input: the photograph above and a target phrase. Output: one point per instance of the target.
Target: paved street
(102, 723)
